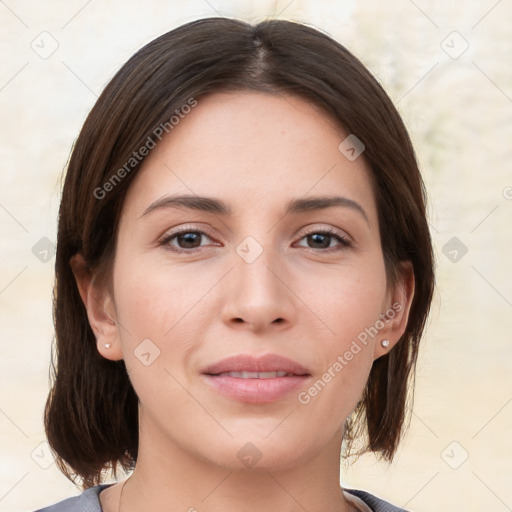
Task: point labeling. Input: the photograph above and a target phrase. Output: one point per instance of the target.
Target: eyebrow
(216, 206)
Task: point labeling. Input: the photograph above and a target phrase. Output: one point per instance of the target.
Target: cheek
(157, 334)
(349, 307)
(348, 299)
(169, 305)
(152, 301)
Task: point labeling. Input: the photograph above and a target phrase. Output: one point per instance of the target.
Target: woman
(244, 270)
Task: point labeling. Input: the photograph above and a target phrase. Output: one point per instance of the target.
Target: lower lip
(256, 391)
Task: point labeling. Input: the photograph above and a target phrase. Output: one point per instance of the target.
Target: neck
(161, 482)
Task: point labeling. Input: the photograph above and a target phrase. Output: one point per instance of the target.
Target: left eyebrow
(212, 205)
(324, 202)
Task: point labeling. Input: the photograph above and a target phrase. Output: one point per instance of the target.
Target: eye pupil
(189, 238)
(317, 236)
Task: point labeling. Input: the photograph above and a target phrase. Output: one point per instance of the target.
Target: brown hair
(91, 415)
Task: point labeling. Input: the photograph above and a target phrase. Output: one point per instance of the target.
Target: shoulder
(88, 501)
(375, 504)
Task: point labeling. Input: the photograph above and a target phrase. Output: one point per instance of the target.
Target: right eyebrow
(205, 204)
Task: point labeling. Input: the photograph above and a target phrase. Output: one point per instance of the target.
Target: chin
(260, 453)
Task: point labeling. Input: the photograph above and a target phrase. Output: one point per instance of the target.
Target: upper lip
(250, 363)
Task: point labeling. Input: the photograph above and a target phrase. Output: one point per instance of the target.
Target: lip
(250, 363)
(255, 390)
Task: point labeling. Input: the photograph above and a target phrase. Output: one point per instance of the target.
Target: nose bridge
(256, 266)
(258, 292)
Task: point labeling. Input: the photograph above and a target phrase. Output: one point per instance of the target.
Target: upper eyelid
(185, 228)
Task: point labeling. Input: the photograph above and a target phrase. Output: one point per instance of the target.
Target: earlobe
(397, 314)
(100, 309)
(109, 350)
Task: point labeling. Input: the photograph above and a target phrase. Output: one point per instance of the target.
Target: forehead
(245, 146)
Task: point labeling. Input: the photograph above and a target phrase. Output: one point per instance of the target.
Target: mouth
(250, 379)
(255, 375)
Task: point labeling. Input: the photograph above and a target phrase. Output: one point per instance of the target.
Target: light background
(457, 104)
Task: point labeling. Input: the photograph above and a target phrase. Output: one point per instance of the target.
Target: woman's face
(252, 274)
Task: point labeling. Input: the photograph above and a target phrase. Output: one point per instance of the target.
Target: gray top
(89, 501)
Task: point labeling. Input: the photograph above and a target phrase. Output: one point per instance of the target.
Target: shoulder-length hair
(91, 414)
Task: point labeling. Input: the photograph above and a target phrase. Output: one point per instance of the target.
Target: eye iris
(317, 237)
(189, 238)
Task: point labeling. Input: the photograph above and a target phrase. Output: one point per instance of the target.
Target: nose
(259, 294)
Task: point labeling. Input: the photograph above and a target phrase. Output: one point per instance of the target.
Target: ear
(100, 308)
(396, 310)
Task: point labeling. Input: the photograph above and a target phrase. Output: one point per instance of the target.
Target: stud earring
(107, 345)
(385, 343)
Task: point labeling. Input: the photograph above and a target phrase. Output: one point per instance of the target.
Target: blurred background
(443, 63)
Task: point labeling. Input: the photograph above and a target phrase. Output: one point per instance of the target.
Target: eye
(323, 238)
(186, 239)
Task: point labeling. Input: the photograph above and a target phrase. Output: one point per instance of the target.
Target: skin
(256, 152)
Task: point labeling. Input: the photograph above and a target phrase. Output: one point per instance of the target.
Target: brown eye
(188, 239)
(184, 240)
(322, 239)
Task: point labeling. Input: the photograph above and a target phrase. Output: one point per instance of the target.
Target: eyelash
(345, 242)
